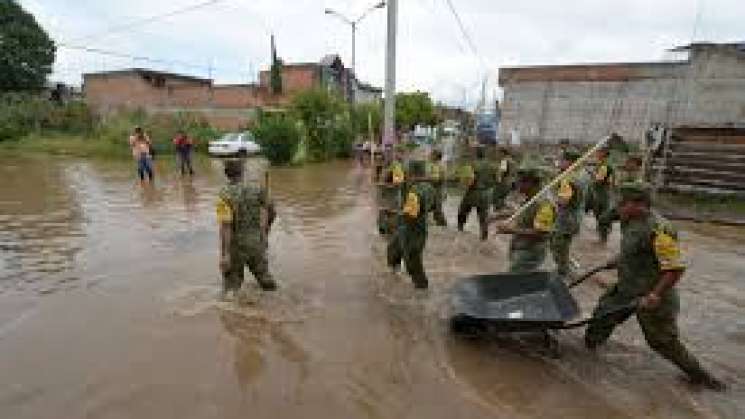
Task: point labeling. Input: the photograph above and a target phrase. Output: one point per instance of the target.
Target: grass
(70, 145)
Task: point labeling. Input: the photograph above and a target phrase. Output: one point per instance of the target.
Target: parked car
(232, 144)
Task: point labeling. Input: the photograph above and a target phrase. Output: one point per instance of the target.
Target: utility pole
(389, 112)
(353, 24)
(354, 48)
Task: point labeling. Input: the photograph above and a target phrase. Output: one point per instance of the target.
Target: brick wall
(295, 78)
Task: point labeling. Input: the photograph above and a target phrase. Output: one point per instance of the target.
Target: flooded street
(108, 309)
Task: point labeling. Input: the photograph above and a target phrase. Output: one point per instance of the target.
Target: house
(228, 106)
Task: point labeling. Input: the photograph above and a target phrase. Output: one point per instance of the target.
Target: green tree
(275, 73)
(278, 137)
(414, 108)
(276, 77)
(360, 119)
(327, 123)
(26, 51)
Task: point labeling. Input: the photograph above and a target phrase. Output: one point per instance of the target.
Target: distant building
(585, 102)
(328, 73)
(226, 106)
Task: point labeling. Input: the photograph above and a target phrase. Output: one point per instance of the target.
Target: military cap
(570, 155)
(233, 167)
(417, 168)
(636, 191)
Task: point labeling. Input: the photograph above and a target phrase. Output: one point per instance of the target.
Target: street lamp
(353, 24)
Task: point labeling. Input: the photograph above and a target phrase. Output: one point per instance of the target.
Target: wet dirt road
(108, 309)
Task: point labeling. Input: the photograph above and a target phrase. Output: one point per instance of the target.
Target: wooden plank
(724, 186)
(708, 147)
(721, 165)
(684, 178)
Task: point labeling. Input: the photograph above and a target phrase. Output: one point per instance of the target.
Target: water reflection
(41, 224)
(344, 337)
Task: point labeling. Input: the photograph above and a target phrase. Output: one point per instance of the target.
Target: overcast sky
(233, 36)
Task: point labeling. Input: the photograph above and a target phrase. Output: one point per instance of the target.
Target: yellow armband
(544, 218)
(667, 250)
(412, 206)
(224, 211)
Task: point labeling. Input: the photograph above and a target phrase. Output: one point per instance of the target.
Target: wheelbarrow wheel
(468, 327)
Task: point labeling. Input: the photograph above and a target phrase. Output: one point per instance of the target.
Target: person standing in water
(245, 215)
(141, 151)
(184, 148)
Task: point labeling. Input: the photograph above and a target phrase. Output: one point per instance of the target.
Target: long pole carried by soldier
(532, 229)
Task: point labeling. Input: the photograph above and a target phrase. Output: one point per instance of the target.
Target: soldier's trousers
(408, 247)
(385, 222)
(659, 326)
(501, 190)
(479, 199)
(601, 205)
(527, 258)
(437, 212)
(253, 257)
(561, 244)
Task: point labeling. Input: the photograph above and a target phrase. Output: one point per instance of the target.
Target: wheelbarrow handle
(589, 274)
(629, 308)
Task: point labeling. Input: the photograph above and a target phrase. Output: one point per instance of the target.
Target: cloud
(233, 36)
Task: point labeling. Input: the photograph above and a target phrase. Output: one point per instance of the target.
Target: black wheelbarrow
(536, 302)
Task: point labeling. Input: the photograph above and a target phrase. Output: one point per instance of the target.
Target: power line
(147, 20)
(465, 33)
(116, 54)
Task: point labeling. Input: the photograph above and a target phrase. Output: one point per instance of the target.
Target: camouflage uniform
(528, 253)
(390, 196)
(648, 247)
(240, 205)
(568, 219)
(479, 181)
(505, 177)
(410, 238)
(437, 179)
(601, 196)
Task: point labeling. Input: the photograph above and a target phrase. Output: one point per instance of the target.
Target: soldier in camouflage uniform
(437, 179)
(570, 208)
(630, 172)
(478, 179)
(505, 177)
(245, 215)
(649, 266)
(390, 190)
(408, 242)
(532, 229)
(602, 183)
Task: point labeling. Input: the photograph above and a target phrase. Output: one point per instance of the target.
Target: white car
(241, 144)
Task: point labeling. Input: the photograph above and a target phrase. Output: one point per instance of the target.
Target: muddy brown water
(108, 309)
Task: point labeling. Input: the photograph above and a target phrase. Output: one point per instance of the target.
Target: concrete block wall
(585, 103)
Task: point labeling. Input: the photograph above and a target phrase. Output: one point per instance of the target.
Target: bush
(161, 128)
(22, 114)
(278, 137)
(326, 121)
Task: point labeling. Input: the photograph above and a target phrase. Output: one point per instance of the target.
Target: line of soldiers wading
(649, 264)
